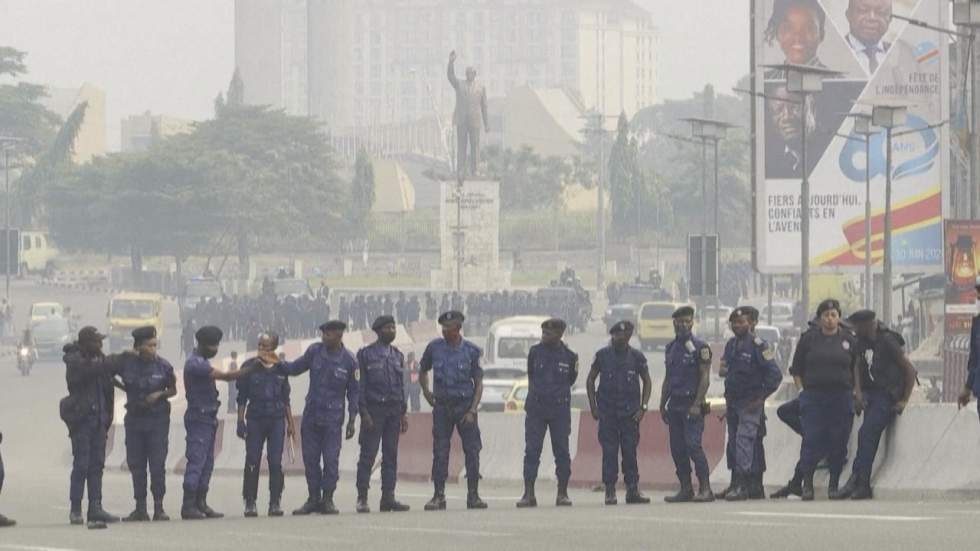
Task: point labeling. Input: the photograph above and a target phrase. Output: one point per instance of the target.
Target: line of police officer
(839, 372)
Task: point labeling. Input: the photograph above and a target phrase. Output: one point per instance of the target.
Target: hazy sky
(174, 56)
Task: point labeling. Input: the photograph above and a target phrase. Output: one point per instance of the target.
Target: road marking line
(674, 520)
(834, 516)
(446, 532)
(291, 537)
(462, 498)
(15, 547)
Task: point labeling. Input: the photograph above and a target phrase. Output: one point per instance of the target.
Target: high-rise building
(372, 63)
(91, 139)
(139, 132)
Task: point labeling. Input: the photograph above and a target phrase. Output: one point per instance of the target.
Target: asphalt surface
(36, 455)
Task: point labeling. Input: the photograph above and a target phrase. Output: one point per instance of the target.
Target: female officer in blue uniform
(263, 400)
(149, 383)
(824, 366)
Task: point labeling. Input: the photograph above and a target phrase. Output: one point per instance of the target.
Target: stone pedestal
(470, 228)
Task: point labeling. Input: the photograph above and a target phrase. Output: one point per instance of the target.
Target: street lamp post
(888, 117)
(6, 142)
(863, 128)
(804, 80)
(713, 131)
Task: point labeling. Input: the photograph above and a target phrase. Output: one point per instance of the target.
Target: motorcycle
(25, 360)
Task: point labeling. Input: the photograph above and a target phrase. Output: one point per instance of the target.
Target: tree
(527, 181)
(362, 195)
(626, 183)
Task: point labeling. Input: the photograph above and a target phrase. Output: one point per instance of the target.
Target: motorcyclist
(27, 341)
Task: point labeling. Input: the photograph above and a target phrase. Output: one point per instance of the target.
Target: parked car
(517, 397)
(497, 385)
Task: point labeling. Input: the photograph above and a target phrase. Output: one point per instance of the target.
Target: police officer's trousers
(685, 442)
(88, 439)
(619, 433)
(746, 430)
(321, 452)
(789, 413)
(385, 433)
(878, 414)
(827, 417)
(557, 421)
(269, 432)
(1, 473)
(201, 432)
(447, 416)
(147, 441)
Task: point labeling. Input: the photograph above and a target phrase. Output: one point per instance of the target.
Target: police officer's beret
(381, 322)
(334, 325)
(749, 311)
(861, 316)
(828, 304)
(145, 333)
(553, 324)
(208, 335)
(683, 311)
(622, 326)
(451, 316)
(89, 334)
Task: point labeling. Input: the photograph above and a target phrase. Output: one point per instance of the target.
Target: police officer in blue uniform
(551, 372)
(201, 421)
(454, 395)
(149, 383)
(333, 381)
(619, 407)
(682, 406)
(825, 366)
(972, 386)
(383, 414)
(751, 376)
(264, 419)
(882, 390)
(87, 411)
(4, 521)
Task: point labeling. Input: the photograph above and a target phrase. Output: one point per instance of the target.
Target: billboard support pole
(804, 216)
(886, 287)
(6, 222)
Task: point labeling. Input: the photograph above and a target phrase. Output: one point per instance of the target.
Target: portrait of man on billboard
(868, 24)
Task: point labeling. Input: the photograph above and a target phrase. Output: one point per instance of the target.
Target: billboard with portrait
(879, 60)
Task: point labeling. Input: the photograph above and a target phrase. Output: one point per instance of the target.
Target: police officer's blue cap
(381, 322)
(749, 311)
(146, 333)
(683, 311)
(208, 335)
(89, 334)
(334, 325)
(622, 326)
(452, 316)
(553, 324)
(861, 316)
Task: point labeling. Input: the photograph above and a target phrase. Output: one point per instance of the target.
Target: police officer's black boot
(250, 490)
(704, 495)
(189, 510)
(97, 513)
(848, 490)
(75, 517)
(611, 494)
(391, 505)
(159, 515)
(528, 499)
(833, 491)
(202, 505)
(731, 487)
(473, 500)
(862, 489)
(807, 493)
(756, 489)
(311, 506)
(362, 502)
(277, 482)
(685, 494)
(635, 497)
(792, 488)
(139, 513)
(438, 501)
(563, 500)
(741, 490)
(327, 506)
(6, 522)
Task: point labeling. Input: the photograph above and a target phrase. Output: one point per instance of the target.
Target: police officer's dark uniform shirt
(620, 373)
(752, 370)
(879, 363)
(683, 357)
(973, 362)
(333, 378)
(140, 378)
(382, 376)
(454, 369)
(824, 362)
(201, 390)
(265, 393)
(551, 372)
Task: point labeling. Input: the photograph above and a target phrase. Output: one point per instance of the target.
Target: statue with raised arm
(471, 111)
